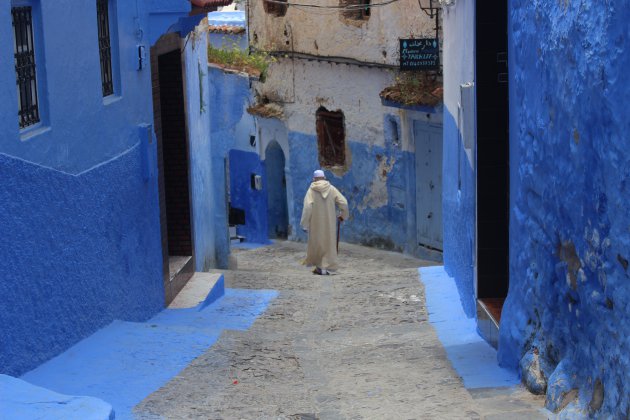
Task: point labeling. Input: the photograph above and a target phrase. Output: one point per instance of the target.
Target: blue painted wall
(78, 198)
(70, 82)
(242, 166)
(228, 93)
(203, 201)
(79, 252)
(230, 130)
(381, 223)
(569, 239)
(458, 175)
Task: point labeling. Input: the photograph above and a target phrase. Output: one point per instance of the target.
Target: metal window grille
(331, 136)
(24, 52)
(275, 7)
(356, 9)
(104, 46)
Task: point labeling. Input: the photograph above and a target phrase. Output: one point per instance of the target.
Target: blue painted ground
(249, 245)
(473, 359)
(21, 400)
(124, 362)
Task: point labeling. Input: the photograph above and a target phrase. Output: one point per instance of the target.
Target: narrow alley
(164, 177)
(353, 345)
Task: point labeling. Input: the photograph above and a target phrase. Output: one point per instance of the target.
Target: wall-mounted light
(430, 7)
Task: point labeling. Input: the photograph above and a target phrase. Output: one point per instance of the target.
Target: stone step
(201, 290)
(21, 400)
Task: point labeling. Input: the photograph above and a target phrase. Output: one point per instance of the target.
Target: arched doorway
(277, 209)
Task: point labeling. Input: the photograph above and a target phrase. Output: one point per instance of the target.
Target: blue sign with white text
(419, 54)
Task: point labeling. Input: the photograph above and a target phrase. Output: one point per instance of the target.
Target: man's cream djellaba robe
(319, 217)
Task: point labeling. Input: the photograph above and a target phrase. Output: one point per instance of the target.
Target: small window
(355, 9)
(331, 138)
(275, 7)
(105, 46)
(24, 53)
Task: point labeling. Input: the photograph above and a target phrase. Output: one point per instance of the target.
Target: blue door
(277, 212)
(428, 141)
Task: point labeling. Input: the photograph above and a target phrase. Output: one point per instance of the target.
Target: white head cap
(319, 174)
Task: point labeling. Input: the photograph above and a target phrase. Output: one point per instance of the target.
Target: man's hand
(340, 218)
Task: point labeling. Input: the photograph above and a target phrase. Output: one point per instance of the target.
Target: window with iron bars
(331, 138)
(104, 46)
(26, 75)
(355, 9)
(275, 7)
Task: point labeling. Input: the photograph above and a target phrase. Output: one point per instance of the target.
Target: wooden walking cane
(338, 229)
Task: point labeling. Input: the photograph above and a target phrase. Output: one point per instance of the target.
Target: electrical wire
(346, 7)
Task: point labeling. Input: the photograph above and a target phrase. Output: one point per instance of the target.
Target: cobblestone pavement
(355, 345)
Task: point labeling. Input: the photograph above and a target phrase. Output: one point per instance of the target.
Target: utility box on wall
(256, 182)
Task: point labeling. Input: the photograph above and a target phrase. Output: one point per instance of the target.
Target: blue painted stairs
(126, 361)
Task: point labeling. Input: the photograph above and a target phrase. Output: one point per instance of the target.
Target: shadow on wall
(458, 214)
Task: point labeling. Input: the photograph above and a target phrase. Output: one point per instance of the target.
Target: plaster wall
(79, 251)
(79, 204)
(379, 177)
(458, 179)
(302, 86)
(308, 30)
(231, 129)
(80, 128)
(200, 149)
(568, 307)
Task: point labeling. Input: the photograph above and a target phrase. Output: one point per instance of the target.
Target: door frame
(169, 43)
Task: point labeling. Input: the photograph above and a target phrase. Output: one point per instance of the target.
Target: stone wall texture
(567, 316)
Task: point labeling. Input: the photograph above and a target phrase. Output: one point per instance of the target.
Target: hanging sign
(419, 54)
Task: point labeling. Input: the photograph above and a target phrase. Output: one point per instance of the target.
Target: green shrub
(255, 63)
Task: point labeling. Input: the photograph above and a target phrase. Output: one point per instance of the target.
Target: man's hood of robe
(322, 187)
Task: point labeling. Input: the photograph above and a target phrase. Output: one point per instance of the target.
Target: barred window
(355, 9)
(275, 7)
(26, 76)
(104, 46)
(331, 138)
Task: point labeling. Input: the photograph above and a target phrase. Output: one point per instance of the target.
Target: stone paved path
(356, 345)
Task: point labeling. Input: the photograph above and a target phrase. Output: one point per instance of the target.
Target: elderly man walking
(319, 218)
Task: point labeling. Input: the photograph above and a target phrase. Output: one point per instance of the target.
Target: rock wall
(567, 316)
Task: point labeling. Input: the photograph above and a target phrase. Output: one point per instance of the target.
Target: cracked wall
(378, 178)
(308, 31)
(567, 316)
